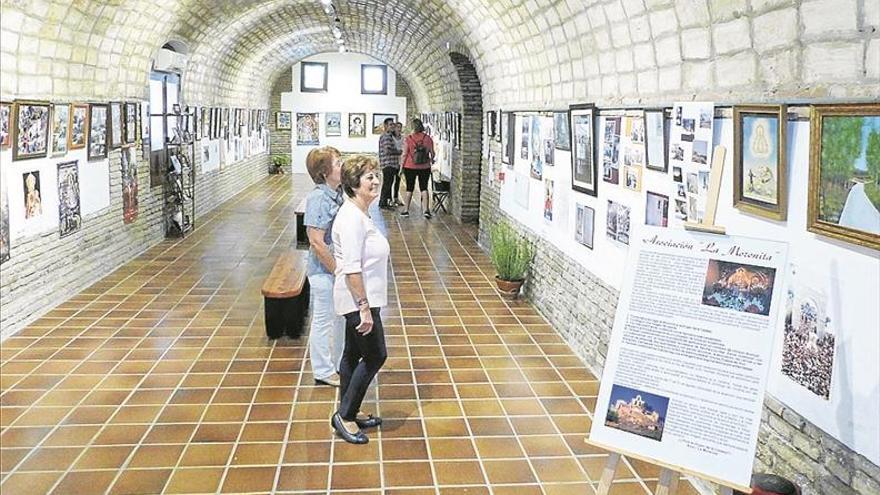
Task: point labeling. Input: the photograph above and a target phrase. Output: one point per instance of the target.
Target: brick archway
(466, 166)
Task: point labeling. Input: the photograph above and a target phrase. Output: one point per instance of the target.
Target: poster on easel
(683, 384)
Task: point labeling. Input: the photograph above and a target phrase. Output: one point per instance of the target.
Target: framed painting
(60, 128)
(69, 216)
(844, 187)
(79, 122)
(759, 169)
(379, 122)
(357, 126)
(333, 124)
(562, 131)
(30, 134)
(97, 139)
(114, 128)
(307, 129)
(129, 135)
(656, 145)
(5, 120)
(283, 120)
(582, 119)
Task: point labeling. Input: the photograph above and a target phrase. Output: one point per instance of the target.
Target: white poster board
(687, 364)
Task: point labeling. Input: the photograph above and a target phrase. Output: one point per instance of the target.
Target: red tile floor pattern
(159, 378)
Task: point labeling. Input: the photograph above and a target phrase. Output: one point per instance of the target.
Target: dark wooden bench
(286, 295)
(302, 238)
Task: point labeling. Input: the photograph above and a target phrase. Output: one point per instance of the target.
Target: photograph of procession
(638, 412)
(808, 346)
(739, 286)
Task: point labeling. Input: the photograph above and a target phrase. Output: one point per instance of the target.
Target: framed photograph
(5, 120)
(379, 122)
(79, 122)
(632, 178)
(844, 188)
(33, 202)
(617, 222)
(562, 131)
(505, 138)
(584, 225)
(333, 124)
(583, 160)
(283, 120)
(307, 129)
(60, 128)
(657, 209)
(313, 77)
(114, 129)
(357, 125)
(70, 219)
(656, 145)
(205, 121)
(130, 116)
(759, 153)
(30, 134)
(97, 139)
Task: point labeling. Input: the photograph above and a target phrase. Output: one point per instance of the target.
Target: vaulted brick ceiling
(528, 53)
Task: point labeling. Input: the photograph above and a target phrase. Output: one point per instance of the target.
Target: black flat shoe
(356, 438)
(370, 422)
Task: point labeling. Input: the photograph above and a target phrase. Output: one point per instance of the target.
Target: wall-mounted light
(341, 48)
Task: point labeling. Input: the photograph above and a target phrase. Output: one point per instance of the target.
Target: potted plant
(511, 255)
(279, 162)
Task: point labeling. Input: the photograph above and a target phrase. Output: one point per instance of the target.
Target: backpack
(421, 155)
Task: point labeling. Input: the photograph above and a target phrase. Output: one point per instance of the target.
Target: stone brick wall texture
(526, 55)
(280, 142)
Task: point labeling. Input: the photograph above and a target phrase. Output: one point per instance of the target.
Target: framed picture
(759, 169)
(5, 120)
(79, 122)
(583, 160)
(656, 144)
(97, 139)
(130, 128)
(333, 124)
(70, 219)
(114, 129)
(632, 178)
(505, 138)
(379, 122)
(584, 224)
(307, 129)
(844, 188)
(357, 125)
(656, 209)
(30, 134)
(561, 130)
(205, 121)
(283, 120)
(33, 202)
(60, 128)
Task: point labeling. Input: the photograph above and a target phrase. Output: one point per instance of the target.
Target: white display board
(687, 363)
(848, 274)
(343, 95)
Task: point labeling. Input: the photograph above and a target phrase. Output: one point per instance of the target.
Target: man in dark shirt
(389, 160)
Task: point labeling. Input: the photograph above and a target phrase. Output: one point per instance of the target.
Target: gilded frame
(766, 209)
(818, 113)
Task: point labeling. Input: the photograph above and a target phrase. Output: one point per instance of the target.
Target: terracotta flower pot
(508, 288)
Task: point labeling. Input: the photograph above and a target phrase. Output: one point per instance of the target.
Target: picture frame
(378, 122)
(496, 125)
(585, 223)
(130, 123)
(833, 128)
(333, 124)
(562, 131)
(30, 129)
(97, 138)
(5, 124)
(656, 142)
(60, 128)
(357, 125)
(78, 126)
(284, 121)
(114, 125)
(760, 175)
(582, 127)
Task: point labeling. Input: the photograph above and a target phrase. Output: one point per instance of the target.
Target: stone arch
(466, 164)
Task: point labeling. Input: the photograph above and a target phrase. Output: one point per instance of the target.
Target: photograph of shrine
(637, 412)
(739, 287)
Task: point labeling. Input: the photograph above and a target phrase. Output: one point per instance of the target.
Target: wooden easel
(670, 475)
(708, 223)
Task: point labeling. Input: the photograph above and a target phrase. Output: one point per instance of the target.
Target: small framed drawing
(844, 188)
(114, 130)
(30, 134)
(283, 120)
(60, 128)
(357, 126)
(583, 161)
(97, 131)
(759, 171)
(655, 140)
(79, 121)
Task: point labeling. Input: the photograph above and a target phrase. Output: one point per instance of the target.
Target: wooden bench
(302, 237)
(286, 295)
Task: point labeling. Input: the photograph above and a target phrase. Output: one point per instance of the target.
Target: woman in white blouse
(359, 292)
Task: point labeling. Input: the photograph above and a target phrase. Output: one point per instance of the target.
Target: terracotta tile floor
(159, 378)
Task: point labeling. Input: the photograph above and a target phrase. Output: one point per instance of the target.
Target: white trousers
(327, 332)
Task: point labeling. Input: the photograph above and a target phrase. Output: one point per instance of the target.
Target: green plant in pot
(279, 162)
(511, 255)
